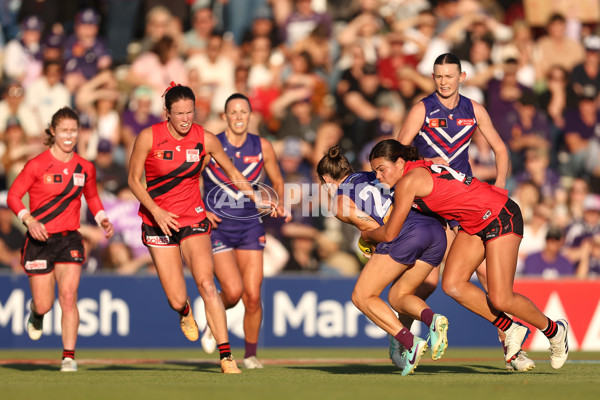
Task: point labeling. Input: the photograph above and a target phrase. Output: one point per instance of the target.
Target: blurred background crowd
(318, 73)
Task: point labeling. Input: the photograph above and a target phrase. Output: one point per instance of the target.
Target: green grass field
(307, 374)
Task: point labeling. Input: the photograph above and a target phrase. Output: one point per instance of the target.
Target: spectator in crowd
(216, 71)
(236, 13)
(302, 21)
(350, 66)
(264, 70)
(159, 22)
(366, 31)
(53, 46)
(11, 240)
(86, 53)
(16, 150)
(262, 25)
(555, 48)
(203, 25)
(589, 266)
(535, 228)
(376, 110)
(13, 105)
(397, 72)
(23, 56)
(137, 116)
(588, 72)
(537, 171)
(557, 96)
(581, 126)
(111, 174)
(118, 258)
(583, 229)
(503, 95)
(157, 68)
(47, 93)
(549, 263)
(530, 130)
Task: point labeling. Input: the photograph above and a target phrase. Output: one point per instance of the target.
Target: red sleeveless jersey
(172, 174)
(55, 189)
(456, 196)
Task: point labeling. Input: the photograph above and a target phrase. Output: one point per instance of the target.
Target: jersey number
(437, 168)
(379, 205)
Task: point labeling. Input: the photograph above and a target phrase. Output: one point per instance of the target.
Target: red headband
(173, 84)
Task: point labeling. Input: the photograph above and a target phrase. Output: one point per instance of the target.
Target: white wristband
(101, 216)
(22, 213)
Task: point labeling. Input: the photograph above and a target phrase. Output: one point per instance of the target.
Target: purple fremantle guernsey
(368, 195)
(224, 199)
(421, 237)
(447, 133)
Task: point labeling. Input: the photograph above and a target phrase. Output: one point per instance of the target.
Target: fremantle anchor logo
(227, 201)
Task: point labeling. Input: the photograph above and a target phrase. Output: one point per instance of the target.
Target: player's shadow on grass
(423, 369)
(166, 366)
(31, 367)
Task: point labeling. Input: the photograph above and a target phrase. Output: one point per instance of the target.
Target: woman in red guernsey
(171, 155)
(53, 249)
(491, 227)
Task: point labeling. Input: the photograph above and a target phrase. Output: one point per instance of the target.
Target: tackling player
(491, 228)
(404, 261)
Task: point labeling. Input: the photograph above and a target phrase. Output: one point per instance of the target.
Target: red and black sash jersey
(55, 189)
(172, 174)
(456, 196)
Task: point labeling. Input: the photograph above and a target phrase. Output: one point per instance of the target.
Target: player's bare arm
(347, 212)
(410, 186)
(141, 148)
(274, 173)
(215, 149)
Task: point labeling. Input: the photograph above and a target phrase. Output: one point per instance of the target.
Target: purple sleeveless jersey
(447, 133)
(240, 226)
(421, 238)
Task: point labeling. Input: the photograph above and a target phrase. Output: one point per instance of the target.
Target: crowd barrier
(122, 312)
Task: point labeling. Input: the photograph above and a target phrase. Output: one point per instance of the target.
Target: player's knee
(207, 289)
(358, 299)
(67, 300)
(43, 306)
(451, 288)
(252, 302)
(500, 301)
(396, 299)
(231, 297)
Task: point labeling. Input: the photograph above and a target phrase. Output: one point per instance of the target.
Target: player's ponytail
(334, 164)
(392, 149)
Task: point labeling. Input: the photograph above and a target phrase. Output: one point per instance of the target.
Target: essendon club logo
(438, 123)
(164, 154)
(75, 254)
(52, 178)
(251, 159)
(465, 121)
(78, 179)
(192, 155)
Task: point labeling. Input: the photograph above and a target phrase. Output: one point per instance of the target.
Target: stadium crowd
(318, 73)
